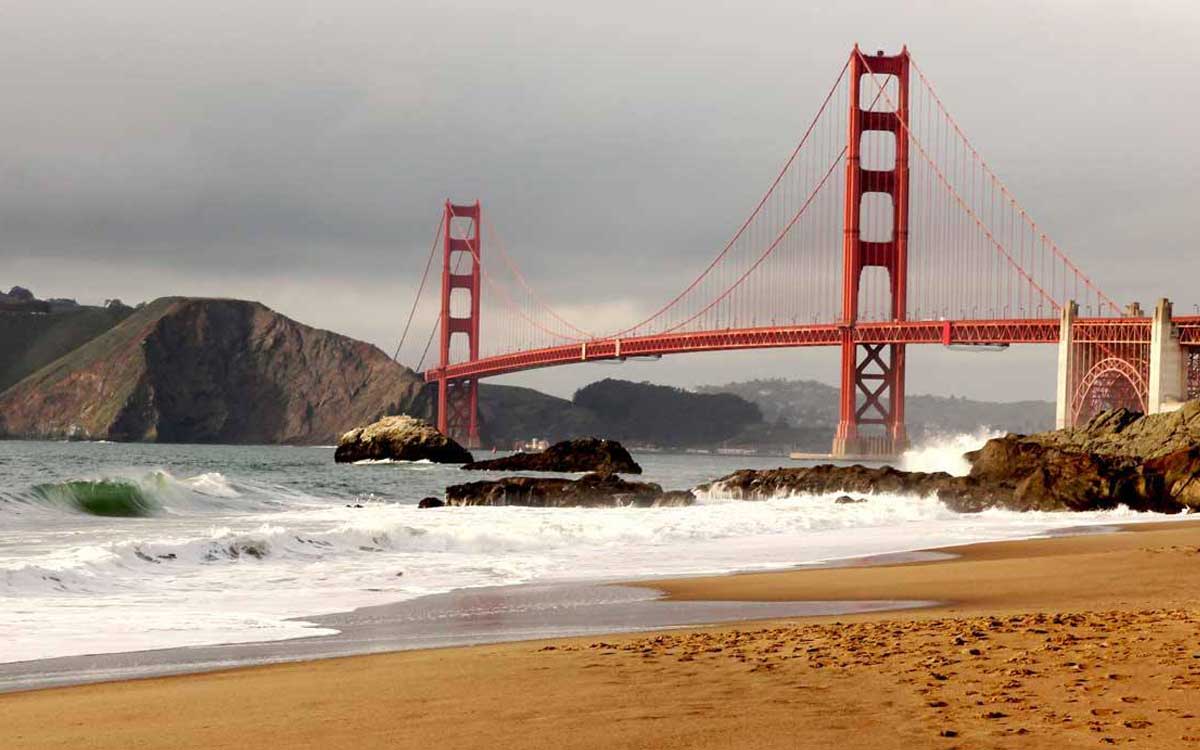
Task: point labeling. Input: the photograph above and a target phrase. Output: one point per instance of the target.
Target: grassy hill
(30, 340)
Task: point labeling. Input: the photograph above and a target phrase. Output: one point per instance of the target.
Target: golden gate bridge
(884, 228)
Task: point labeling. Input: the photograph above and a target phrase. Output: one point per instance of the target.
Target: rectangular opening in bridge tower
(871, 410)
(458, 399)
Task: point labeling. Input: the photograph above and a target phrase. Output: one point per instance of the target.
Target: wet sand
(467, 617)
(1070, 642)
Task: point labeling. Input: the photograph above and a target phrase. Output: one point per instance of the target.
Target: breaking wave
(101, 497)
(135, 495)
(945, 452)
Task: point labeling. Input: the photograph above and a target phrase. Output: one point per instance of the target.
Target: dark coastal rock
(583, 454)
(431, 502)
(960, 493)
(847, 500)
(589, 491)
(400, 438)
(1076, 470)
(1179, 474)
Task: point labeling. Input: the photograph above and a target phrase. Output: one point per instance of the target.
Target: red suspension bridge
(884, 228)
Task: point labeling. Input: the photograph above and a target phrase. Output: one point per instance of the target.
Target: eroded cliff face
(211, 370)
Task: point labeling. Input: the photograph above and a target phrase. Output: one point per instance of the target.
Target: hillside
(32, 340)
(209, 370)
(510, 414)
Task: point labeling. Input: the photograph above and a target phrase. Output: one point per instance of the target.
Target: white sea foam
(945, 452)
(372, 461)
(212, 483)
(315, 561)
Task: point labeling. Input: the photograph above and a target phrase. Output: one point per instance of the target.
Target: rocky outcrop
(1156, 469)
(584, 454)
(400, 438)
(589, 491)
(1122, 432)
(209, 371)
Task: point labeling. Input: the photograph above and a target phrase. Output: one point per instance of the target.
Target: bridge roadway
(945, 332)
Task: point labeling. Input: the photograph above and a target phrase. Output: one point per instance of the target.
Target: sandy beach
(1077, 641)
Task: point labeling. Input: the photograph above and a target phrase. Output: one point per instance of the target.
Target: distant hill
(666, 416)
(510, 414)
(813, 406)
(209, 370)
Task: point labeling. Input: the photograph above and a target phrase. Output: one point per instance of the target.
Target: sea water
(108, 547)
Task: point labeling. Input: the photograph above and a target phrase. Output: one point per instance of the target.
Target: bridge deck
(945, 332)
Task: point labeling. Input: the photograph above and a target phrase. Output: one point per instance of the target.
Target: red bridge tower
(458, 399)
(872, 382)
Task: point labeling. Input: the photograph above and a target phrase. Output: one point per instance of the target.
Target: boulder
(431, 502)
(400, 438)
(583, 454)
(589, 491)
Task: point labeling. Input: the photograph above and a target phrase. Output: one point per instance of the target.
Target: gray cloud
(300, 155)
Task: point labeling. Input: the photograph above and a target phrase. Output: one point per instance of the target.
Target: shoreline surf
(510, 614)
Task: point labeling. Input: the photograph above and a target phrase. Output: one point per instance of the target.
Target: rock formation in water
(584, 454)
(400, 438)
(1148, 463)
(589, 491)
(211, 371)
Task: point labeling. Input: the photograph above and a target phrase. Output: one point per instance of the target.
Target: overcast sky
(298, 152)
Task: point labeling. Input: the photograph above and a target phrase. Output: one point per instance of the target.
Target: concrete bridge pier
(1167, 389)
(1065, 385)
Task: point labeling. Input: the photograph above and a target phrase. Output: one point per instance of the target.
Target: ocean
(110, 548)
